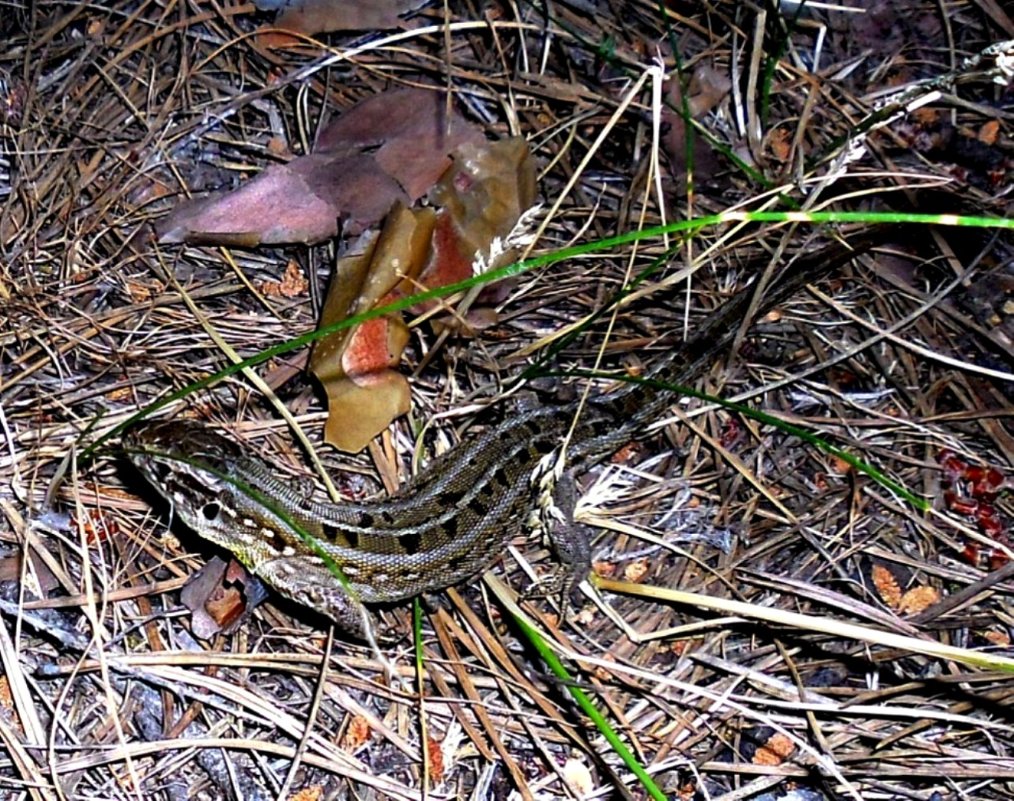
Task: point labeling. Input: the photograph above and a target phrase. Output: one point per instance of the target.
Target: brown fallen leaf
(989, 132)
(436, 759)
(997, 637)
(911, 602)
(301, 201)
(482, 197)
(389, 148)
(636, 571)
(779, 142)
(409, 133)
(357, 733)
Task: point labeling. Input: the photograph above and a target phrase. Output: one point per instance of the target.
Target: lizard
(453, 519)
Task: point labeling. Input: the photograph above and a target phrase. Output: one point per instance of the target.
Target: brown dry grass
(107, 694)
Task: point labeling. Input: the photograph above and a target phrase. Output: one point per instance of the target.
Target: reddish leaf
(292, 284)
(775, 751)
(389, 148)
(221, 597)
(296, 202)
(917, 600)
(410, 133)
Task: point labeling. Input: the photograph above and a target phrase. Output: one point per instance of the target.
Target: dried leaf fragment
(887, 586)
(636, 571)
(355, 365)
(315, 793)
(578, 777)
(291, 285)
(436, 758)
(300, 201)
(221, 597)
(707, 88)
(357, 733)
(775, 751)
(997, 637)
(910, 602)
(989, 132)
(917, 600)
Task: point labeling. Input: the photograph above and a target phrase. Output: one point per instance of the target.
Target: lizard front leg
(570, 541)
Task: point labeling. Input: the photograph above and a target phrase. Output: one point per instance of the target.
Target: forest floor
(846, 560)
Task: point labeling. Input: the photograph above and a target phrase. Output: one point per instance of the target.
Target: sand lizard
(450, 521)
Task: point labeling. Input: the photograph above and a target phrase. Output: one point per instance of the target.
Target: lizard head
(189, 465)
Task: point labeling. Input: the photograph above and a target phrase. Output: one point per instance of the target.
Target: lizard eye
(211, 511)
